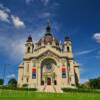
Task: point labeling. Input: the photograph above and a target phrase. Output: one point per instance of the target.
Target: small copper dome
(29, 39)
(67, 38)
(48, 37)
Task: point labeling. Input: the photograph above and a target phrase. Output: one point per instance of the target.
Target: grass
(29, 95)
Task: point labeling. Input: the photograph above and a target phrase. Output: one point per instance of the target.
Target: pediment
(49, 52)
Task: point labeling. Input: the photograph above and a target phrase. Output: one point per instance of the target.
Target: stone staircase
(52, 89)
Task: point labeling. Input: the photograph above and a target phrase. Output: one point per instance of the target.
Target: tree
(95, 83)
(12, 82)
(1, 81)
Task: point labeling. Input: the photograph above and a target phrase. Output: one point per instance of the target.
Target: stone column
(38, 75)
(72, 72)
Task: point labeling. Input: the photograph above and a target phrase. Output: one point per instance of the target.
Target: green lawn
(24, 95)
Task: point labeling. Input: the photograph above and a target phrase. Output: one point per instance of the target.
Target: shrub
(12, 82)
(80, 90)
(15, 88)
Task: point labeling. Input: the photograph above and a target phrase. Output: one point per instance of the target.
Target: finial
(48, 28)
(49, 23)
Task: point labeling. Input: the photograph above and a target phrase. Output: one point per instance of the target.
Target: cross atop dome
(48, 28)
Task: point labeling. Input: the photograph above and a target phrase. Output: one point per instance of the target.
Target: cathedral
(48, 65)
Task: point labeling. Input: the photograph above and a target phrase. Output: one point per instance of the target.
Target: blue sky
(79, 19)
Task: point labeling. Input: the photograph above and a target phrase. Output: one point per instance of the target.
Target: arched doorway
(47, 71)
(48, 81)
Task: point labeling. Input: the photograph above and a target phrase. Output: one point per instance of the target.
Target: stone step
(52, 89)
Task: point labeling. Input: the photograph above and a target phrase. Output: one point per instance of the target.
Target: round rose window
(49, 67)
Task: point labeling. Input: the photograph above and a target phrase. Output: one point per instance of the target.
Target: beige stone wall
(77, 70)
(20, 75)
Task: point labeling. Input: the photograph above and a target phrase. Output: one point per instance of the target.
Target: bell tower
(29, 45)
(67, 45)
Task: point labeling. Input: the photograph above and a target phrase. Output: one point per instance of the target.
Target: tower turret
(67, 45)
(29, 45)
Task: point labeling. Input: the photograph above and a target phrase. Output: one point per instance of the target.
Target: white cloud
(4, 16)
(4, 8)
(14, 48)
(85, 52)
(11, 76)
(17, 48)
(96, 36)
(18, 23)
(83, 80)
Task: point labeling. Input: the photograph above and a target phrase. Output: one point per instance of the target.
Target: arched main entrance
(48, 81)
(47, 71)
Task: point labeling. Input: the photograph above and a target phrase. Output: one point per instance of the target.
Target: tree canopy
(1, 81)
(12, 82)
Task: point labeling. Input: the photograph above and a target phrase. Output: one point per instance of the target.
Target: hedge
(80, 90)
(15, 88)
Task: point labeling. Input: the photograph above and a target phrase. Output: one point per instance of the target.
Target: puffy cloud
(18, 23)
(4, 16)
(96, 36)
(14, 48)
(11, 76)
(4, 8)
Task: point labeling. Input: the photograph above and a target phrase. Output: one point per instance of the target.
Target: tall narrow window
(68, 49)
(68, 66)
(42, 82)
(27, 67)
(33, 73)
(28, 50)
(63, 72)
(55, 82)
(27, 79)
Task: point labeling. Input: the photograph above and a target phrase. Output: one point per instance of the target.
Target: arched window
(63, 72)
(28, 50)
(68, 49)
(42, 82)
(27, 80)
(68, 66)
(55, 82)
(34, 73)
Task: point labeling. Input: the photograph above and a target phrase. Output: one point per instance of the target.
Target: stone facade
(48, 65)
